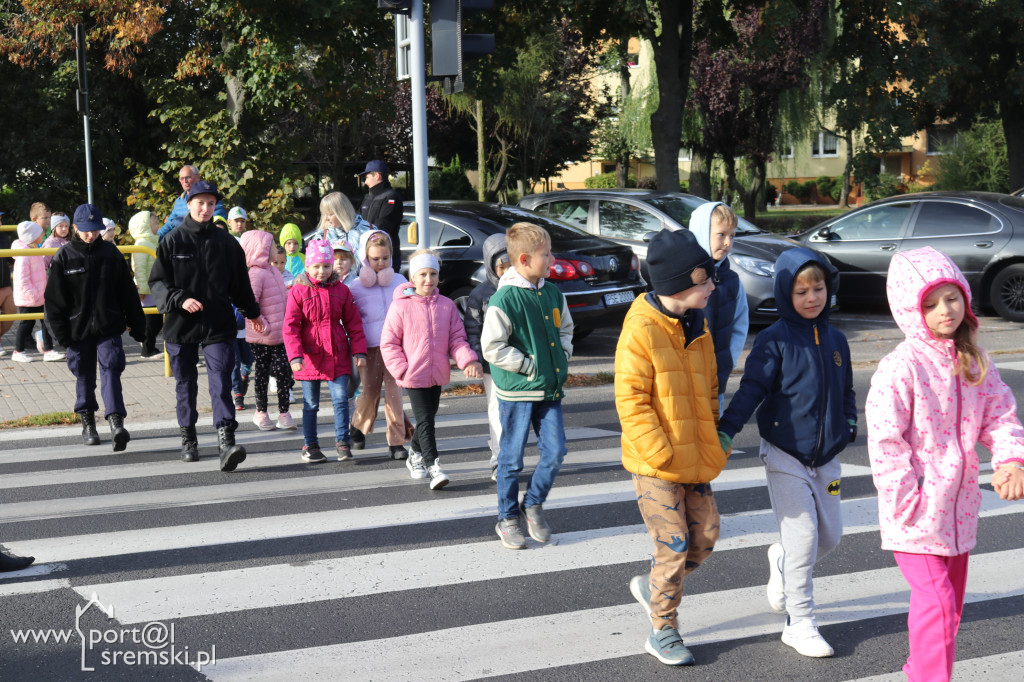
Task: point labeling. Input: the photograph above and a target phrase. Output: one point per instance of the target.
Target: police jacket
(204, 262)
(382, 206)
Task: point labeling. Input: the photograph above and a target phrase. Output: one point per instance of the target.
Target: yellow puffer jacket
(666, 394)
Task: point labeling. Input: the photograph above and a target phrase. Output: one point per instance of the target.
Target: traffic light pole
(418, 83)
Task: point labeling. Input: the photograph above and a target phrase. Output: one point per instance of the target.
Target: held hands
(853, 429)
(191, 305)
(359, 360)
(725, 442)
(258, 326)
(474, 371)
(297, 366)
(1008, 481)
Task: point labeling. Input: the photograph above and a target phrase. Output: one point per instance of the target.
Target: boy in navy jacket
(798, 378)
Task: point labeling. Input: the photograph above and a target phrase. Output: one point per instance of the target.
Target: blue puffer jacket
(798, 375)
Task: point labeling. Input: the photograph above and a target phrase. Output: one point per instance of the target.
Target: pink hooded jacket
(924, 422)
(29, 277)
(322, 327)
(420, 334)
(374, 291)
(267, 285)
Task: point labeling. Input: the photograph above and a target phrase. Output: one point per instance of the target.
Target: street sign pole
(418, 82)
(83, 104)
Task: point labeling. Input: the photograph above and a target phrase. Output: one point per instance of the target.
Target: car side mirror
(824, 234)
(412, 233)
(649, 236)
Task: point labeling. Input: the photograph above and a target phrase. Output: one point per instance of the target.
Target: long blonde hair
(336, 204)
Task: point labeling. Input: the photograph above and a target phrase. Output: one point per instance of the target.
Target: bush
(808, 189)
(684, 187)
(770, 194)
(827, 187)
(607, 181)
(793, 187)
(883, 185)
(647, 182)
(450, 182)
(976, 162)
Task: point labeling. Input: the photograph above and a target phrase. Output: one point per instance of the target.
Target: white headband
(423, 260)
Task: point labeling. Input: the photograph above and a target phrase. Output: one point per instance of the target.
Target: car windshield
(680, 208)
(505, 217)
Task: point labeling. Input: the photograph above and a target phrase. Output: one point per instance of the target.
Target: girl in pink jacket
(322, 333)
(422, 330)
(29, 286)
(931, 401)
(268, 351)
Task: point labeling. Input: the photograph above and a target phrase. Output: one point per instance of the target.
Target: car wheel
(1007, 293)
(461, 298)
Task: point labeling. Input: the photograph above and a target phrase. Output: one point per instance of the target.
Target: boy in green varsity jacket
(527, 339)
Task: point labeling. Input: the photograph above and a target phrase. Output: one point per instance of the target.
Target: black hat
(202, 187)
(672, 256)
(88, 219)
(375, 166)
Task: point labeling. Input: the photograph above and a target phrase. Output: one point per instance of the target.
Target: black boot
(119, 434)
(358, 439)
(89, 435)
(231, 455)
(14, 563)
(189, 444)
(398, 452)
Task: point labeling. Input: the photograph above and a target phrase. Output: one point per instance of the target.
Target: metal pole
(83, 87)
(418, 78)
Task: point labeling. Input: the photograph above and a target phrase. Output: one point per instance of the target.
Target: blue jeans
(338, 387)
(243, 364)
(516, 419)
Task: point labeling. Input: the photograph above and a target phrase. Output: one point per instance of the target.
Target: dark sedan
(598, 277)
(982, 232)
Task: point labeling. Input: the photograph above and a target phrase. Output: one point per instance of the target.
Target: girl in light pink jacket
(29, 285)
(270, 358)
(932, 400)
(422, 330)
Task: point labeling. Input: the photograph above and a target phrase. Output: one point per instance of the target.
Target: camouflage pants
(683, 522)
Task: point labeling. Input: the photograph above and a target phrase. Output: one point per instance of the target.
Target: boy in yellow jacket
(666, 393)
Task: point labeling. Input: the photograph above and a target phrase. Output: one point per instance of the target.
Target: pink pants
(937, 585)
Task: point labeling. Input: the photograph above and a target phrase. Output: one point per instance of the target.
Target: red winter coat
(315, 325)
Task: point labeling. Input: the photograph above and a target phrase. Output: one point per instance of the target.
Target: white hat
(237, 212)
(28, 231)
(108, 225)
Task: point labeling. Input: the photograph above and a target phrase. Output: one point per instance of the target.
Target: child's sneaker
(667, 646)
(535, 523)
(245, 383)
(640, 588)
(38, 336)
(415, 466)
(438, 479)
(775, 591)
(272, 386)
(262, 421)
(344, 451)
(53, 356)
(494, 473)
(3, 351)
(19, 356)
(285, 421)
(239, 402)
(805, 638)
(312, 454)
(510, 533)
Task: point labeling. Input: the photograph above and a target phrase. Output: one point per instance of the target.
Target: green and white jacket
(527, 339)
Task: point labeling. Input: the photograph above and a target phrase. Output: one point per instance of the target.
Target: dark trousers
(154, 323)
(424, 403)
(23, 338)
(82, 359)
(220, 360)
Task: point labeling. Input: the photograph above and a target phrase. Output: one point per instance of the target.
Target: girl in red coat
(322, 333)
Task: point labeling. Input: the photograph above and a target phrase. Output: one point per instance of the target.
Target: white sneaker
(776, 592)
(53, 356)
(438, 479)
(415, 465)
(19, 356)
(3, 351)
(272, 386)
(38, 335)
(804, 637)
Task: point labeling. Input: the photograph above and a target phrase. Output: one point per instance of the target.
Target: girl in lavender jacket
(932, 400)
(422, 330)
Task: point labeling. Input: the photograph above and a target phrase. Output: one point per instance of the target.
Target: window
(883, 222)
(941, 138)
(943, 218)
(824, 145)
(573, 211)
(787, 152)
(623, 221)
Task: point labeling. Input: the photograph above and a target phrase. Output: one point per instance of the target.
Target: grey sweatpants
(806, 505)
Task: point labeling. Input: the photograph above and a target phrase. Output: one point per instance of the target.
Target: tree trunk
(622, 163)
(1013, 130)
(700, 174)
(672, 54)
(481, 155)
(844, 196)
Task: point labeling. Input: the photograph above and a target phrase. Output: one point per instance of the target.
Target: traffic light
(450, 46)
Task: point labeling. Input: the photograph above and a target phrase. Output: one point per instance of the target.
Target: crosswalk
(353, 571)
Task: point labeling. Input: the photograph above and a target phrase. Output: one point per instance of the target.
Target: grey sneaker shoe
(494, 473)
(510, 533)
(535, 523)
(640, 588)
(415, 466)
(774, 590)
(438, 479)
(667, 646)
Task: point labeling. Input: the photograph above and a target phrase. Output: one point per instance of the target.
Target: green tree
(975, 161)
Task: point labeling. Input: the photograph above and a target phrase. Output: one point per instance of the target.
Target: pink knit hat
(319, 251)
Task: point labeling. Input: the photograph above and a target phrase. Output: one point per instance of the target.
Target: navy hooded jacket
(798, 375)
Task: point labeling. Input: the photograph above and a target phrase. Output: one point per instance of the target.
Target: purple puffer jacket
(268, 287)
(420, 334)
(322, 327)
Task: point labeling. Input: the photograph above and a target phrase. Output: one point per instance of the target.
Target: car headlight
(755, 266)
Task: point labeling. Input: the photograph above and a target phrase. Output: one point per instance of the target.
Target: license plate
(618, 298)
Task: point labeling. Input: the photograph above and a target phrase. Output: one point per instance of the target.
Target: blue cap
(202, 187)
(375, 166)
(88, 219)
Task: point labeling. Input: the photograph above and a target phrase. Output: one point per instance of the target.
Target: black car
(982, 232)
(626, 215)
(598, 277)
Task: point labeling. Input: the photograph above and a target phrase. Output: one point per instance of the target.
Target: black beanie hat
(672, 256)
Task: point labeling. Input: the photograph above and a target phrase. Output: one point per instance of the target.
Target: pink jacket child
(29, 271)
(420, 334)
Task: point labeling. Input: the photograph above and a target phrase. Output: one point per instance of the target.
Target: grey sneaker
(535, 523)
(415, 466)
(510, 533)
(438, 479)
(640, 587)
(667, 646)
(494, 473)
